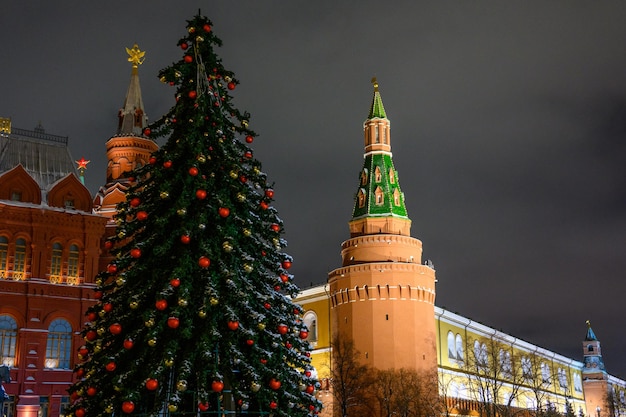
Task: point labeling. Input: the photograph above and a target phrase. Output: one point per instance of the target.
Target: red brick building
(51, 235)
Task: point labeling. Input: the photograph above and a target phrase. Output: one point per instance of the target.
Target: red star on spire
(82, 163)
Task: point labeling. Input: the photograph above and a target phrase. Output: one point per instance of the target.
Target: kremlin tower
(382, 281)
(129, 148)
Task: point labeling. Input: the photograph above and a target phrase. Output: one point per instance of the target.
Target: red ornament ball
(152, 384)
(83, 351)
(224, 212)
(217, 386)
(264, 205)
(175, 282)
(193, 171)
(192, 94)
(111, 366)
(135, 253)
(185, 239)
(206, 28)
(128, 344)
(91, 391)
(91, 335)
(267, 306)
(274, 384)
(108, 245)
(142, 215)
(286, 264)
(92, 316)
(147, 132)
(243, 179)
(309, 389)
(161, 305)
(108, 307)
(263, 361)
(307, 373)
(188, 59)
(184, 46)
(204, 262)
(233, 325)
(167, 164)
(201, 194)
(97, 295)
(269, 193)
(249, 138)
(173, 322)
(304, 334)
(282, 329)
(275, 227)
(284, 278)
(249, 342)
(112, 268)
(152, 160)
(203, 406)
(273, 405)
(135, 201)
(80, 412)
(115, 328)
(231, 85)
(248, 155)
(128, 407)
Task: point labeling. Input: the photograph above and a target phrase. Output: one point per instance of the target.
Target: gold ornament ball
(248, 268)
(255, 387)
(163, 79)
(201, 159)
(164, 195)
(181, 385)
(152, 342)
(256, 170)
(227, 246)
(100, 331)
(133, 305)
(227, 79)
(109, 409)
(172, 408)
(98, 281)
(181, 212)
(121, 234)
(261, 326)
(169, 362)
(241, 197)
(102, 313)
(247, 232)
(199, 39)
(117, 388)
(120, 281)
(97, 348)
(214, 301)
(182, 302)
(233, 174)
(178, 74)
(202, 314)
(149, 322)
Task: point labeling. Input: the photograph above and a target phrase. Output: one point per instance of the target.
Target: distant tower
(595, 378)
(129, 148)
(383, 297)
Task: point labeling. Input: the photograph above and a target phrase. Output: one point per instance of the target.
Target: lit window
(59, 345)
(361, 198)
(392, 176)
(364, 176)
(55, 263)
(380, 197)
(378, 175)
(310, 320)
(451, 346)
(19, 265)
(396, 197)
(8, 337)
(72, 265)
(4, 256)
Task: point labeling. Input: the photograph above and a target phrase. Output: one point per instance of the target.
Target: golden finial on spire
(375, 84)
(135, 56)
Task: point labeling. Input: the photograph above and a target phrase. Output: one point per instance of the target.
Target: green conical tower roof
(377, 110)
(379, 193)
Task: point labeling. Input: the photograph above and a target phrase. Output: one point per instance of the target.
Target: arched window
(451, 346)
(72, 265)
(578, 386)
(392, 176)
(310, 320)
(527, 373)
(59, 345)
(505, 363)
(545, 372)
(364, 176)
(480, 354)
(19, 265)
(55, 263)
(378, 175)
(396, 197)
(8, 337)
(4, 256)
(361, 198)
(459, 347)
(380, 198)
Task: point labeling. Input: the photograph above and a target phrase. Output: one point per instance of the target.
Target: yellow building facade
(382, 298)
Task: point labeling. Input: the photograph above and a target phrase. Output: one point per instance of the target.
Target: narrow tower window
(392, 176)
(378, 174)
(361, 198)
(396, 197)
(55, 263)
(380, 197)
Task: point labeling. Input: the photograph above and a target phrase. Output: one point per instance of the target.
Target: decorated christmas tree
(195, 312)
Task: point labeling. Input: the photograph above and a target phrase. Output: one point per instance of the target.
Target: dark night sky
(508, 127)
